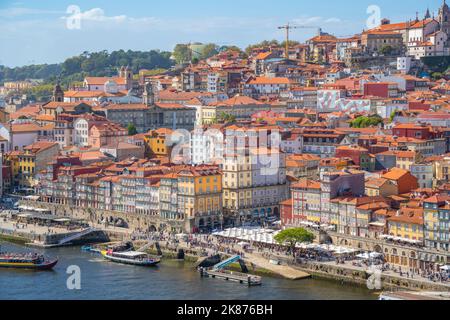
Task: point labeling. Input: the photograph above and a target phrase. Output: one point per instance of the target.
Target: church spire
(427, 14)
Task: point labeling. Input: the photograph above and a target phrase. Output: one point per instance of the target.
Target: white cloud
(316, 20)
(98, 14)
(14, 12)
(333, 20)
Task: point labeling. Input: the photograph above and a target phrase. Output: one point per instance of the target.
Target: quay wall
(133, 220)
(358, 277)
(24, 236)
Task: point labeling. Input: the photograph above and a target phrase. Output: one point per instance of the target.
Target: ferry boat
(131, 257)
(26, 261)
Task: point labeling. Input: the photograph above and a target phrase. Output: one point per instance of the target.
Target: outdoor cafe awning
(33, 198)
(62, 220)
(393, 238)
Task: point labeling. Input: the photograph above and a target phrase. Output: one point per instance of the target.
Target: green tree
(230, 48)
(209, 50)
(41, 93)
(366, 122)
(392, 116)
(386, 50)
(264, 43)
(437, 76)
(294, 236)
(181, 53)
(226, 118)
(132, 129)
(96, 64)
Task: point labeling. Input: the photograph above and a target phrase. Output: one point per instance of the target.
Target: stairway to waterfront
(76, 236)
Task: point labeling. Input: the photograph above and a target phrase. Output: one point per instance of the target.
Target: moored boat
(90, 249)
(31, 261)
(131, 257)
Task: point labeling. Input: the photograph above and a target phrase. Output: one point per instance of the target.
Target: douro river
(171, 280)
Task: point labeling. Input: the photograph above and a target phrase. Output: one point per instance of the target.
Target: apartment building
(254, 183)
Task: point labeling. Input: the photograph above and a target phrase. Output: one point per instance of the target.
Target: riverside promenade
(210, 246)
(204, 246)
(282, 270)
(31, 232)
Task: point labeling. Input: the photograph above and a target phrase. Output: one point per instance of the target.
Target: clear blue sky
(34, 31)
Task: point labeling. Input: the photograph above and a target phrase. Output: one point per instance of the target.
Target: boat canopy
(130, 254)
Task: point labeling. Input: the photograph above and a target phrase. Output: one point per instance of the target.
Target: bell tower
(58, 93)
(444, 20)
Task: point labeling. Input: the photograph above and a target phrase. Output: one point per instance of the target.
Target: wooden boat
(26, 261)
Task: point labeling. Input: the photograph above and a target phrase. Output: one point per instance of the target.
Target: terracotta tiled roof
(40, 146)
(408, 215)
(25, 127)
(395, 174)
(306, 184)
(422, 23)
(103, 80)
(438, 198)
(263, 55)
(265, 80)
(375, 182)
(394, 26)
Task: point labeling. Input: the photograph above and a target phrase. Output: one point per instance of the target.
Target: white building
(386, 108)
(263, 86)
(404, 64)
(292, 144)
(424, 174)
(24, 133)
(111, 93)
(206, 146)
(81, 132)
(213, 80)
(426, 40)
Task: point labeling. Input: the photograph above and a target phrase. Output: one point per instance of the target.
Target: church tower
(428, 14)
(149, 95)
(122, 72)
(443, 19)
(58, 93)
(126, 74)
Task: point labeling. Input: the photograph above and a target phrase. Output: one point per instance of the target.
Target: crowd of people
(212, 245)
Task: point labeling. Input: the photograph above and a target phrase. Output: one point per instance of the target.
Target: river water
(172, 280)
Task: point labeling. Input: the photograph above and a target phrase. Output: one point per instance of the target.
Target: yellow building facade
(408, 223)
(156, 143)
(200, 196)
